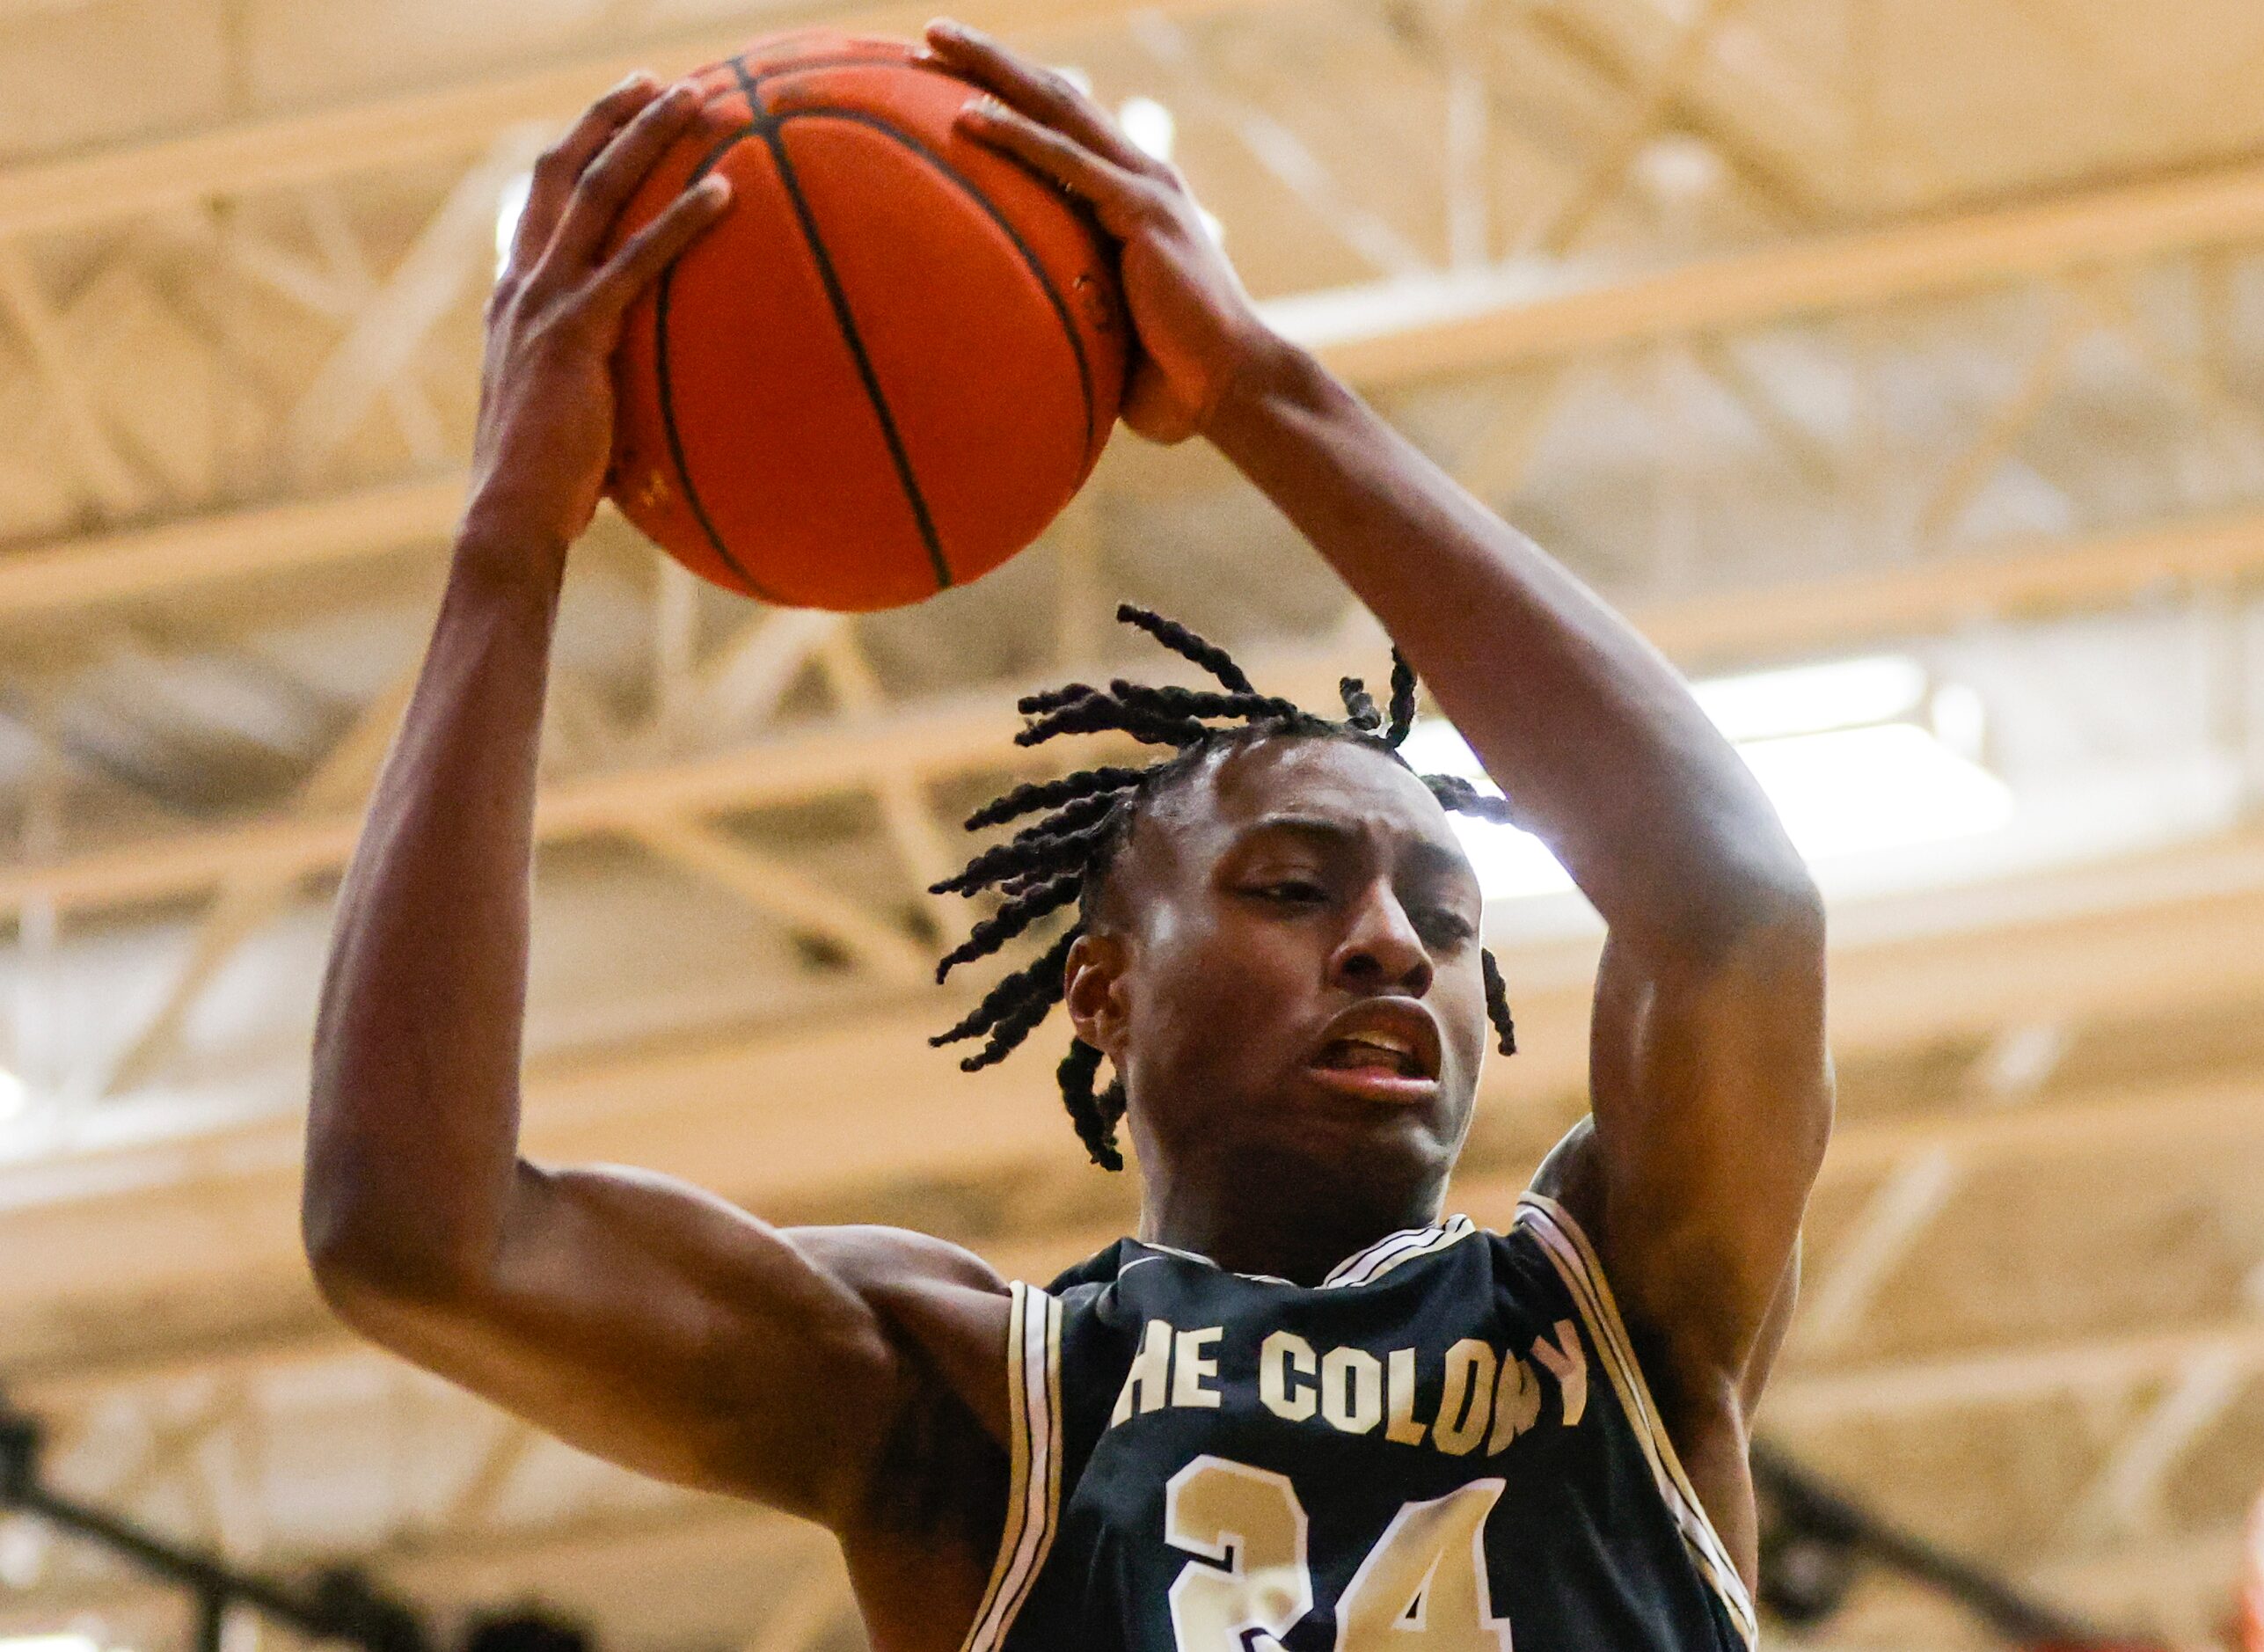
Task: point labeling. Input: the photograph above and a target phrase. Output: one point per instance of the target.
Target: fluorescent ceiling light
(1807, 699)
(1829, 745)
(48, 1643)
(1860, 790)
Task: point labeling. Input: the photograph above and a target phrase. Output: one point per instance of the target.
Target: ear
(1093, 988)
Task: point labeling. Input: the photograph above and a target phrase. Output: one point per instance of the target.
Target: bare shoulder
(1571, 1176)
(873, 1258)
(945, 1308)
(925, 1538)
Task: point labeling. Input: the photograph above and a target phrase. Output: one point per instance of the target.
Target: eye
(1290, 891)
(1440, 927)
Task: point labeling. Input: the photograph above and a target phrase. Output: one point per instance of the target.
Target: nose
(1380, 951)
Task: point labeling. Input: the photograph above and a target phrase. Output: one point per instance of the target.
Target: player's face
(1301, 988)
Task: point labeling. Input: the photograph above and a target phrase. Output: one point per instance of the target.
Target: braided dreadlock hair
(1086, 817)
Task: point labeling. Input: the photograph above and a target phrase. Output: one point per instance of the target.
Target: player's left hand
(1197, 329)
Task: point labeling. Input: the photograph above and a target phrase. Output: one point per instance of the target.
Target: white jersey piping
(1034, 1385)
(1361, 1267)
(1568, 1248)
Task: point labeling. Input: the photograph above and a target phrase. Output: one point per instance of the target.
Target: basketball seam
(750, 83)
(966, 185)
(766, 126)
(665, 393)
(846, 319)
(750, 86)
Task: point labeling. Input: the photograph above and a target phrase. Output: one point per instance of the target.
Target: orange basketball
(887, 366)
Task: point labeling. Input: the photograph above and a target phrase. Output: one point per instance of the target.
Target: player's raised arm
(1709, 1074)
(1712, 1088)
(636, 1317)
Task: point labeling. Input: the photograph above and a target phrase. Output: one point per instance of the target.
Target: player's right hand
(545, 428)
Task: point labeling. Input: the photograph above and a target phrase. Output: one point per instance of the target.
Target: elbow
(1764, 905)
(373, 1272)
(1784, 904)
(370, 1287)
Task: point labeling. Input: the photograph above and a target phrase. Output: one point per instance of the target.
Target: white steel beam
(955, 735)
(742, 683)
(290, 536)
(773, 886)
(111, 482)
(1906, 1199)
(1970, 473)
(2122, 1494)
(1378, 337)
(676, 646)
(452, 250)
(905, 809)
(1564, 223)
(272, 151)
(221, 1213)
(474, 1501)
(2008, 1376)
(1769, 136)
(1493, 464)
(246, 902)
(1279, 150)
(1899, 1209)
(414, 415)
(1406, 331)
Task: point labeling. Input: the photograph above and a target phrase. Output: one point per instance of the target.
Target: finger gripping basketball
(887, 367)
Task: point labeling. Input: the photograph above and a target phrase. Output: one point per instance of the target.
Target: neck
(1284, 1220)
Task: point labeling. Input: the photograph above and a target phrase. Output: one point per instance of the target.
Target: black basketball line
(846, 320)
(666, 392)
(750, 86)
(967, 187)
(748, 83)
(767, 126)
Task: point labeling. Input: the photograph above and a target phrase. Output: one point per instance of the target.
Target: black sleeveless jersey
(1445, 1447)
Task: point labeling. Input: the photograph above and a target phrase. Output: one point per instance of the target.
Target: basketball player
(1305, 1407)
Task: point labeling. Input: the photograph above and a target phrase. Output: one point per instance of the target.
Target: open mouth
(1388, 1041)
(1373, 1052)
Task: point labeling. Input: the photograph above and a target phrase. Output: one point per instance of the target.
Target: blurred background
(1897, 364)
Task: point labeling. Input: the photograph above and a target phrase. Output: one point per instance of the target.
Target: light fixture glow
(1829, 744)
(1858, 790)
(1149, 125)
(22, 1551)
(509, 206)
(48, 1643)
(13, 1098)
(1807, 699)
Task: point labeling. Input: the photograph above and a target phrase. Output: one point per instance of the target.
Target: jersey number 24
(1422, 1587)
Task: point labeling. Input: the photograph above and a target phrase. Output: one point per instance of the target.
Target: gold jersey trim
(1575, 1261)
(1034, 1496)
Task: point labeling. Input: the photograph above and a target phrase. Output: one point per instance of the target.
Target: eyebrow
(1434, 859)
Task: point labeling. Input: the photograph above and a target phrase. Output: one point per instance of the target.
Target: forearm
(1593, 735)
(412, 1137)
